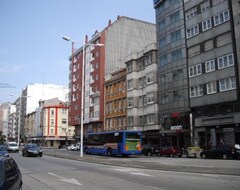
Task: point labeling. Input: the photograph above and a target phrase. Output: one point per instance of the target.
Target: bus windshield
(133, 141)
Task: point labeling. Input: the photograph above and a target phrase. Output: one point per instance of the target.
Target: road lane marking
(131, 171)
(72, 181)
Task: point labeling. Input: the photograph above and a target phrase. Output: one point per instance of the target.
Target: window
(52, 132)
(130, 84)
(162, 24)
(227, 84)
(148, 59)
(150, 97)
(177, 75)
(191, 13)
(163, 60)
(193, 31)
(175, 36)
(151, 118)
(130, 102)
(129, 67)
(130, 121)
(141, 82)
(164, 79)
(196, 91)
(52, 122)
(164, 99)
(225, 61)
(64, 111)
(64, 121)
(221, 17)
(178, 95)
(211, 88)
(176, 55)
(163, 42)
(205, 5)
(140, 101)
(210, 66)
(175, 17)
(149, 78)
(207, 24)
(52, 112)
(140, 64)
(195, 70)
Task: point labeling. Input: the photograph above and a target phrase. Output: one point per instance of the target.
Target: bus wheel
(109, 152)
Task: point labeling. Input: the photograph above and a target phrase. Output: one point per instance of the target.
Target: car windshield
(32, 146)
(12, 144)
(2, 148)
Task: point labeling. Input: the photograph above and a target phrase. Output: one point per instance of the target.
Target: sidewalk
(228, 167)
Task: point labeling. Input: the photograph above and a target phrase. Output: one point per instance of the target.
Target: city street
(49, 173)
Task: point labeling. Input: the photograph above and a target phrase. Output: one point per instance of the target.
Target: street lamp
(83, 82)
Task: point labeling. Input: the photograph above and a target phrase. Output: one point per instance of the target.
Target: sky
(31, 46)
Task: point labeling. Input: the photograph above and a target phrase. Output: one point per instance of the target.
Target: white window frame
(206, 24)
(150, 97)
(196, 91)
(205, 5)
(149, 78)
(191, 13)
(211, 87)
(195, 70)
(227, 84)
(130, 102)
(224, 61)
(210, 66)
(130, 84)
(193, 31)
(221, 17)
(151, 118)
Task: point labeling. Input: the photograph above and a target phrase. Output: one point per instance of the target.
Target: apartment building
(174, 108)
(115, 101)
(120, 38)
(54, 123)
(142, 93)
(198, 53)
(212, 35)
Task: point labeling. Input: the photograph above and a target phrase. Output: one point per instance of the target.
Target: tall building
(213, 49)
(4, 113)
(142, 94)
(120, 38)
(174, 108)
(12, 127)
(198, 54)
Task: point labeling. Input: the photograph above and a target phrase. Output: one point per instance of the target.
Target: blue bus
(113, 143)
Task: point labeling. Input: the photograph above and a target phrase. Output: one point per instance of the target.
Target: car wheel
(149, 153)
(23, 154)
(171, 155)
(40, 155)
(224, 156)
(204, 156)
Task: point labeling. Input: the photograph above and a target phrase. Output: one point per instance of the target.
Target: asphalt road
(52, 173)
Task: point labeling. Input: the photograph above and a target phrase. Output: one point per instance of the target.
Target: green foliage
(2, 138)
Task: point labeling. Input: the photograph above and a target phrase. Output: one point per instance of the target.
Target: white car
(12, 147)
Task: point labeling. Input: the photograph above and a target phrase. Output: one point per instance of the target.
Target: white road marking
(72, 181)
(132, 171)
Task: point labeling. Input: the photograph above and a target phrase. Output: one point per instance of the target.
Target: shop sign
(176, 127)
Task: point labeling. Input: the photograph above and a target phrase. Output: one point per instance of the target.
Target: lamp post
(83, 82)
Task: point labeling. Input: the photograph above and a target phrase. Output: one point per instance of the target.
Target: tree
(2, 138)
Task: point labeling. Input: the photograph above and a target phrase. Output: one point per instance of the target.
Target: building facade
(198, 70)
(174, 108)
(120, 39)
(115, 101)
(212, 34)
(142, 94)
(54, 123)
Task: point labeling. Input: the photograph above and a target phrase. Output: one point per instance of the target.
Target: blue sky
(31, 45)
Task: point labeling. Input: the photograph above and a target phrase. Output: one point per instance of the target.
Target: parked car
(170, 151)
(3, 151)
(220, 151)
(32, 150)
(148, 149)
(10, 175)
(12, 147)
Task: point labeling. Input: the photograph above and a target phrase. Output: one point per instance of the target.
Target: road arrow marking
(72, 181)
